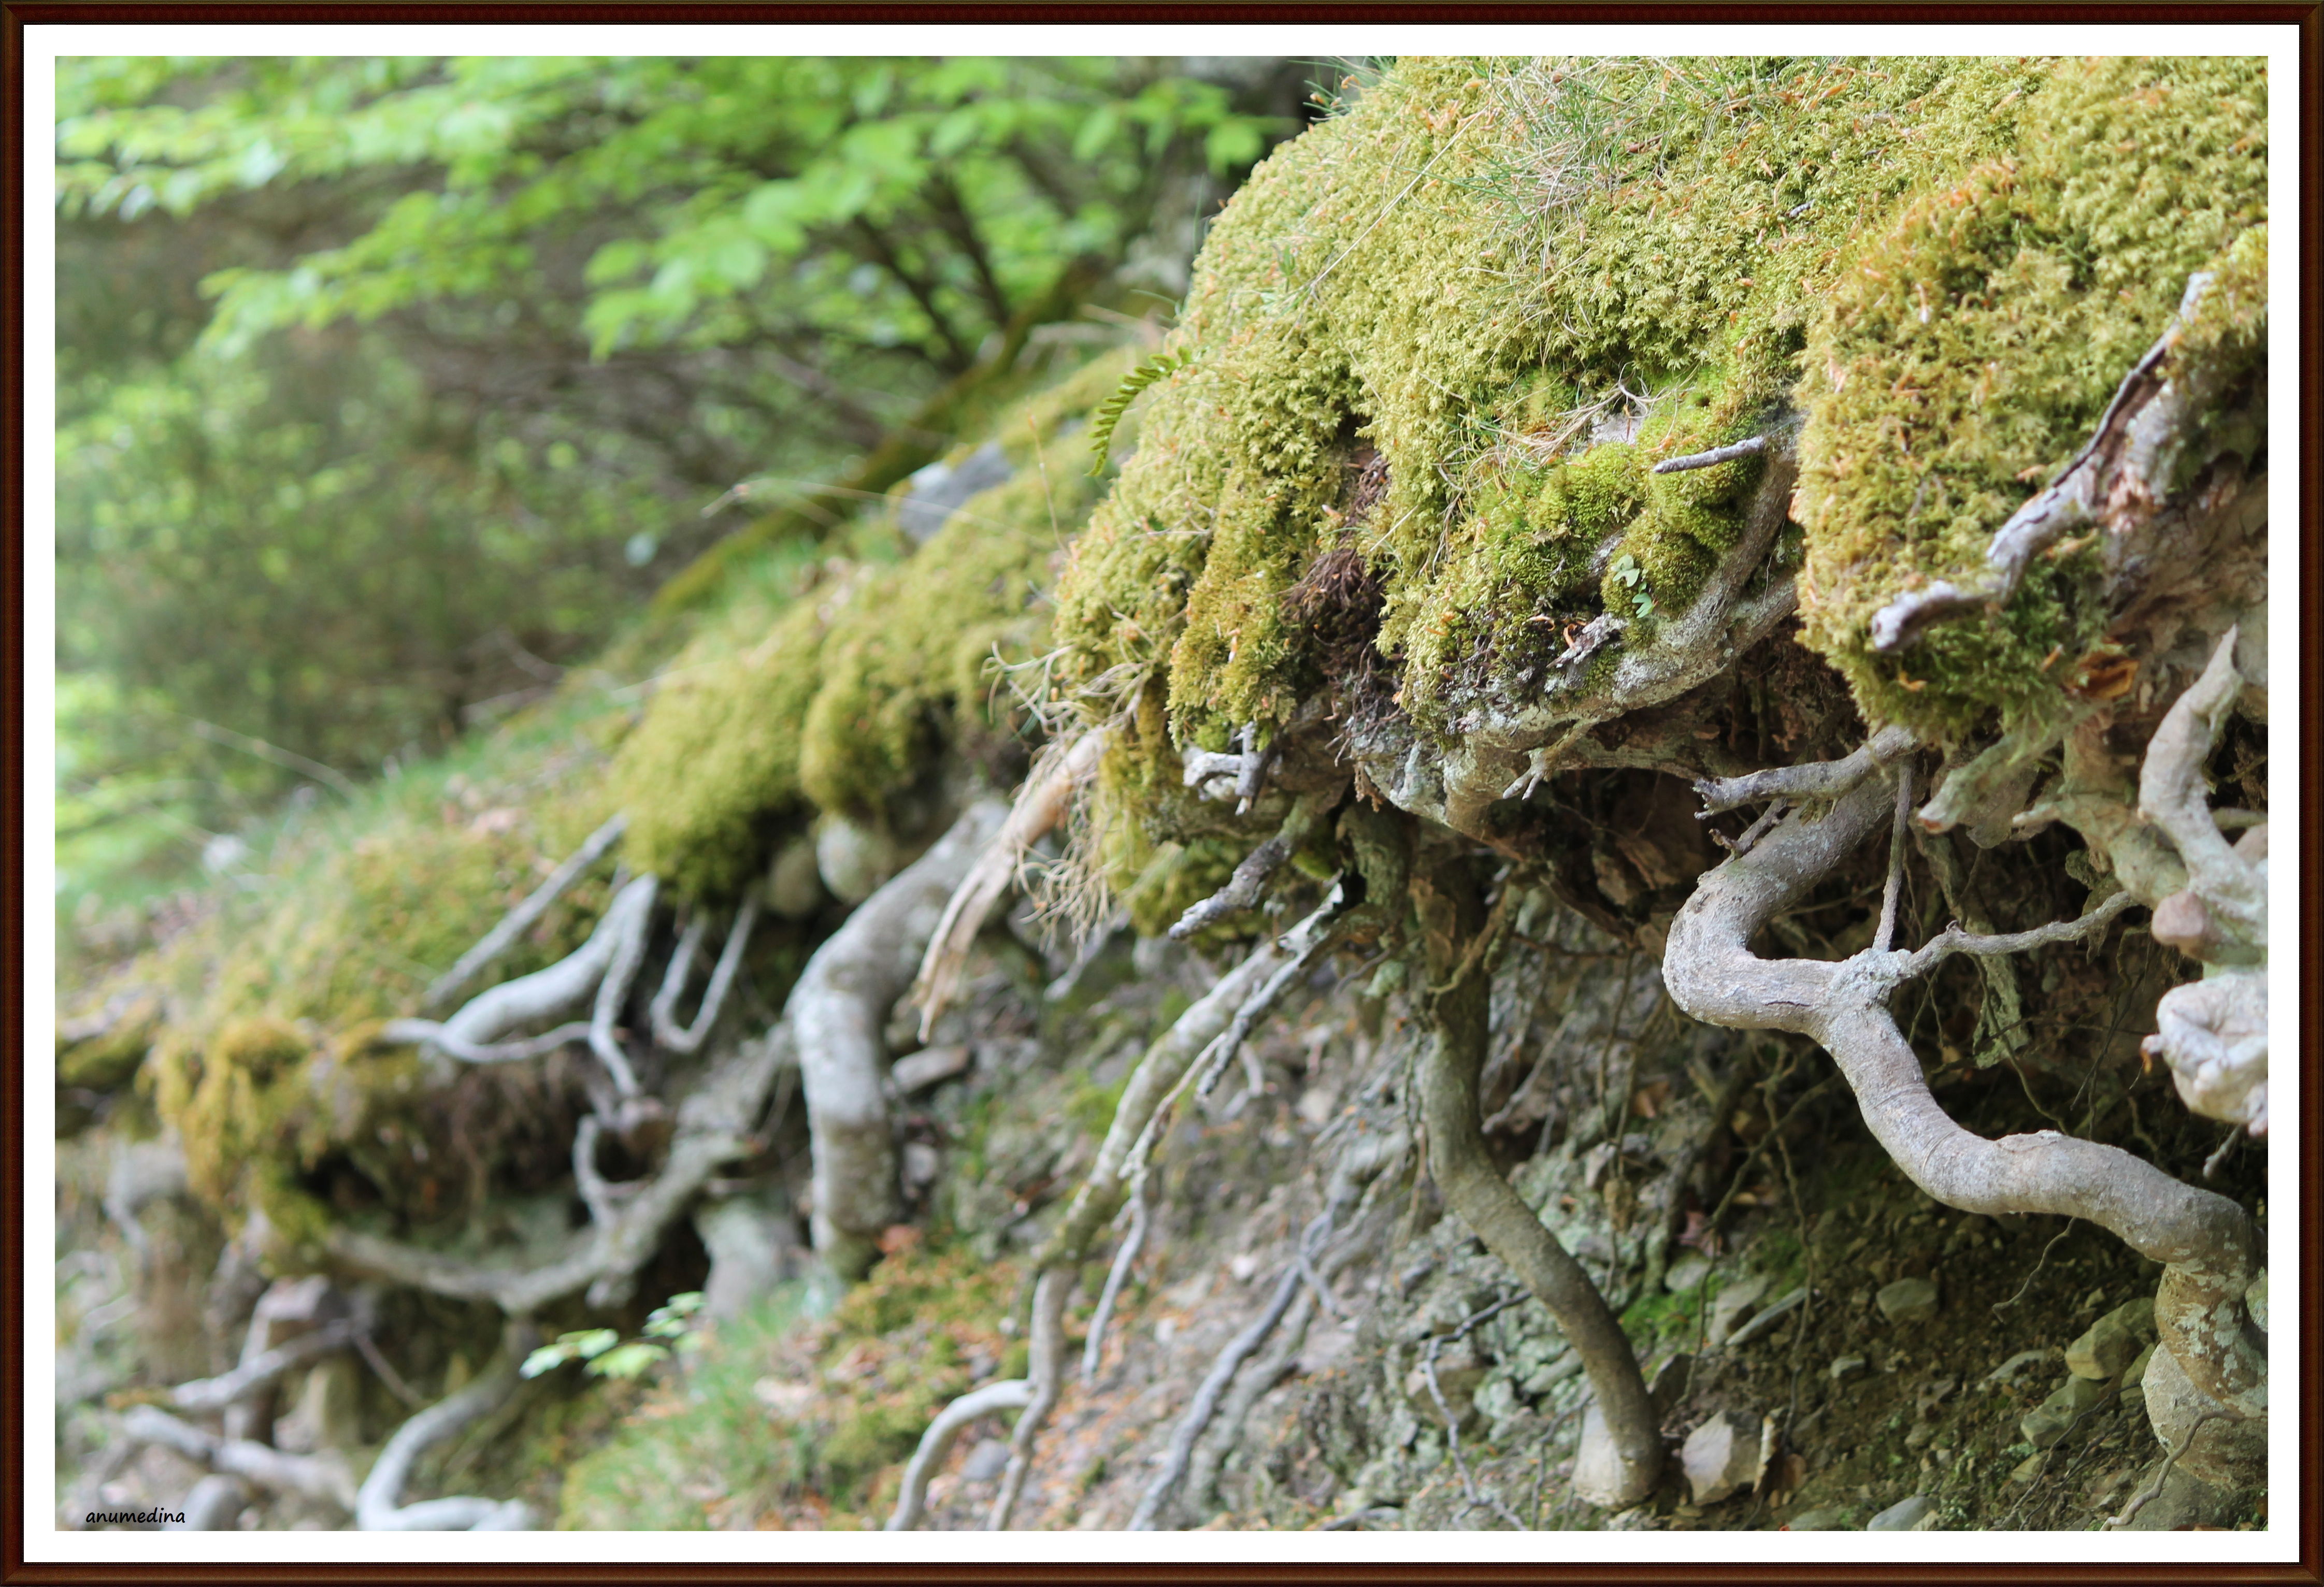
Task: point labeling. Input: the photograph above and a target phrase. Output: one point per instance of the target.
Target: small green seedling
(608, 1356)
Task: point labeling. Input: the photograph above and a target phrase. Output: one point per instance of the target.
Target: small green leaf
(591, 1343)
(628, 1361)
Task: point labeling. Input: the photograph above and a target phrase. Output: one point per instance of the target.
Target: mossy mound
(1461, 321)
(1972, 343)
(842, 701)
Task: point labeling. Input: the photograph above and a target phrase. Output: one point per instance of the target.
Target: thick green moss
(1521, 284)
(839, 701)
(1971, 343)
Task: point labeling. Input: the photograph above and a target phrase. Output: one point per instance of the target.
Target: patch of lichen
(1467, 271)
(839, 701)
(1973, 340)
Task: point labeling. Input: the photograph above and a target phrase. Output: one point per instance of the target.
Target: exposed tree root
(668, 1033)
(1008, 1395)
(377, 1503)
(205, 1396)
(714, 1127)
(1819, 780)
(1621, 1450)
(2207, 1243)
(1040, 805)
(513, 925)
(324, 1478)
(1242, 889)
(2130, 455)
(1125, 1257)
(836, 1014)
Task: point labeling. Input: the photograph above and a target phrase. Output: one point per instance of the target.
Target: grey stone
(1732, 1304)
(2255, 1299)
(2110, 1344)
(1908, 1300)
(1845, 1367)
(753, 1248)
(1670, 1383)
(1687, 1273)
(1721, 1457)
(794, 883)
(1904, 1516)
(1822, 1518)
(853, 860)
(2047, 1423)
(941, 489)
(1766, 1317)
(1457, 1379)
(924, 1068)
(987, 1461)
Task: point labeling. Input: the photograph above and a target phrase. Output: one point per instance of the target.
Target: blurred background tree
(387, 388)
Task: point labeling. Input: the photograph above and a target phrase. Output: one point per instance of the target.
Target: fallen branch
(1749, 447)
(517, 921)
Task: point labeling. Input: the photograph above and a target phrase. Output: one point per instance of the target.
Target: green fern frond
(1109, 411)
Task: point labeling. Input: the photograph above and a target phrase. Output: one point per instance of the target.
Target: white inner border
(44, 1544)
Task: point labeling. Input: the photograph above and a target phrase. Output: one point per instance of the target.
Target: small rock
(1721, 1457)
(1908, 1300)
(1670, 1383)
(1687, 1273)
(2133, 1385)
(1823, 1518)
(1844, 1367)
(2007, 1371)
(794, 882)
(2028, 1470)
(2255, 1299)
(853, 860)
(1457, 1379)
(752, 1247)
(925, 1068)
(1905, 1516)
(2047, 1423)
(987, 1461)
(1733, 1303)
(2110, 1343)
(1767, 1317)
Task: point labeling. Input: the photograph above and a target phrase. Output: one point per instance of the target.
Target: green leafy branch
(1109, 411)
(607, 1353)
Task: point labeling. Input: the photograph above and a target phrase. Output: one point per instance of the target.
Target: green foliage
(1109, 411)
(606, 1354)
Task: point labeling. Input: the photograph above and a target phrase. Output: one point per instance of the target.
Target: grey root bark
(1622, 1450)
(2210, 1355)
(836, 1014)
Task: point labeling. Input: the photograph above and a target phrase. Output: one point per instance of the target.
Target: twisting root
(2132, 448)
(1046, 1377)
(497, 941)
(468, 1034)
(2207, 1243)
(1205, 1403)
(1158, 1078)
(1242, 889)
(713, 1128)
(1041, 804)
(206, 1394)
(1819, 780)
(668, 1033)
(1749, 447)
(629, 951)
(377, 1507)
(1009, 1394)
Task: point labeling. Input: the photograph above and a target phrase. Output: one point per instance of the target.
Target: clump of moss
(837, 701)
(1474, 273)
(1971, 343)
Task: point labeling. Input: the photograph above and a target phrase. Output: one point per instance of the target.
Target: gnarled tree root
(836, 1014)
(2207, 1245)
(500, 937)
(1622, 1450)
(376, 1505)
